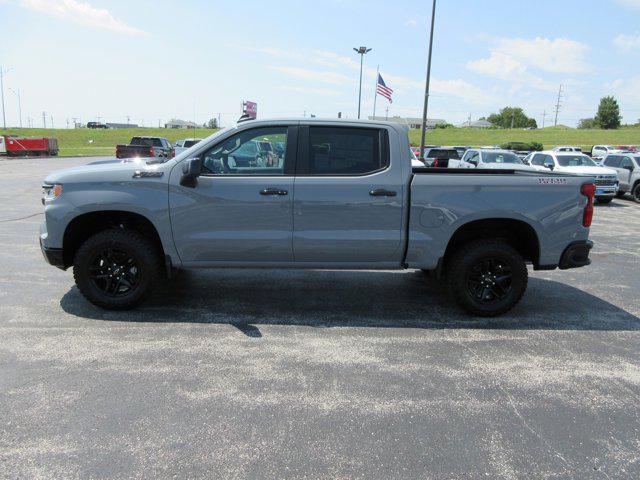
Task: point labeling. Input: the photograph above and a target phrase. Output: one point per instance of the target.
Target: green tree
(512, 116)
(213, 123)
(608, 116)
(588, 123)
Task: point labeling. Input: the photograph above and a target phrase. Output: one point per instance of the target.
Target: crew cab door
(348, 196)
(240, 210)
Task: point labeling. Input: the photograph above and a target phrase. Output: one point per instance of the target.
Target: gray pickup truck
(335, 195)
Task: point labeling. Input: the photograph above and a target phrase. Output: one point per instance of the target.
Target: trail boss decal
(552, 181)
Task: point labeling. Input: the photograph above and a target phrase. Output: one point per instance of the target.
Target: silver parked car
(628, 167)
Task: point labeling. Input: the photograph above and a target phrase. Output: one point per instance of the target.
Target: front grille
(605, 183)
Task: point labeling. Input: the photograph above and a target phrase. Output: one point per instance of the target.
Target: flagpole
(375, 96)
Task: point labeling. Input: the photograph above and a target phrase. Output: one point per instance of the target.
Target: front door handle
(273, 191)
(381, 192)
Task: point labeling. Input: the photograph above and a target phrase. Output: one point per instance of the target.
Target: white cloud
(629, 3)
(505, 67)
(627, 42)
(411, 23)
(326, 92)
(560, 55)
(336, 63)
(82, 13)
(333, 78)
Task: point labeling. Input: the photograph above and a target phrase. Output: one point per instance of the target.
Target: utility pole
(426, 88)
(17, 94)
(2, 72)
(386, 114)
(469, 121)
(513, 114)
(44, 119)
(51, 116)
(544, 117)
(361, 51)
(558, 103)
(219, 120)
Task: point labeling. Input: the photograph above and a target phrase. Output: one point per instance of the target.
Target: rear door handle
(381, 192)
(273, 191)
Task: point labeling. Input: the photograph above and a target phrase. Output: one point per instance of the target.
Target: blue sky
(153, 60)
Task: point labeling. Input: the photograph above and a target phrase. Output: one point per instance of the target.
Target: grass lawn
(549, 137)
(84, 141)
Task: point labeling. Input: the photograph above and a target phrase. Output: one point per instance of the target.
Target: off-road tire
(459, 268)
(147, 261)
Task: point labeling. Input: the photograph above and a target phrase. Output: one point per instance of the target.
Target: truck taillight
(151, 152)
(588, 190)
(173, 152)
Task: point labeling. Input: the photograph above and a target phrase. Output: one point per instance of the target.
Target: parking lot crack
(20, 218)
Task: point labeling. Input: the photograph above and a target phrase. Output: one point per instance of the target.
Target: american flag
(383, 90)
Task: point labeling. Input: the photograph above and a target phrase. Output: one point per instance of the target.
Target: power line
(544, 117)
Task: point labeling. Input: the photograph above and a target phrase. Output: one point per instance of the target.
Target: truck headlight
(50, 192)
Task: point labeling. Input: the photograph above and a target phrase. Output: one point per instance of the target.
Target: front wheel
(117, 269)
(487, 277)
(604, 200)
(636, 192)
(620, 194)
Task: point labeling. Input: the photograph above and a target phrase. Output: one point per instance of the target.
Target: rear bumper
(576, 255)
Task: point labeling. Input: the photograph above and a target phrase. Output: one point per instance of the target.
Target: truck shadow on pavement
(376, 299)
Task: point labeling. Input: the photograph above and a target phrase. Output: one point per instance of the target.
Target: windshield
(575, 161)
(497, 157)
(190, 143)
(637, 160)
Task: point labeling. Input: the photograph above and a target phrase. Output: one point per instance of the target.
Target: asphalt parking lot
(292, 374)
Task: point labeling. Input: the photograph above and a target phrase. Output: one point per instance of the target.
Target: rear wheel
(487, 277)
(117, 269)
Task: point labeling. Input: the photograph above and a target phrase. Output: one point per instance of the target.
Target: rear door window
(346, 151)
(626, 162)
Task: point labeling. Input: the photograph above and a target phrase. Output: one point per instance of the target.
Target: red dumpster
(15, 146)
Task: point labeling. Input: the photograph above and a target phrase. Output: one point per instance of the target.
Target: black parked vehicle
(146, 147)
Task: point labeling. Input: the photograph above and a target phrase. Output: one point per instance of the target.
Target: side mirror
(190, 172)
(550, 166)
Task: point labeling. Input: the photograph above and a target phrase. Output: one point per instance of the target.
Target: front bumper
(53, 256)
(576, 255)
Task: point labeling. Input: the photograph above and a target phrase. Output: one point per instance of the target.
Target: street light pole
(17, 94)
(426, 90)
(361, 51)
